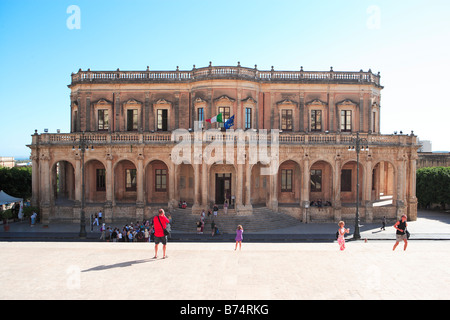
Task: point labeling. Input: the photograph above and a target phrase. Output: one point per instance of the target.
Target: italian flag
(217, 118)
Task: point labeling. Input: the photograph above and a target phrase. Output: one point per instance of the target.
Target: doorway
(223, 188)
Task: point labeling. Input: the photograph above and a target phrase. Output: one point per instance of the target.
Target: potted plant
(7, 214)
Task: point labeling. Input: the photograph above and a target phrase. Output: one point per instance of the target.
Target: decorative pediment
(199, 100)
(316, 102)
(103, 101)
(347, 102)
(132, 101)
(163, 101)
(249, 100)
(287, 102)
(224, 97)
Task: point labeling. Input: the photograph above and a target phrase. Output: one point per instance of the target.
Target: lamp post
(83, 146)
(358, 144)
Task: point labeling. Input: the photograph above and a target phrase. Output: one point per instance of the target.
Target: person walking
(383, 223)
(341, 232)
(225, 207)
(401, 226)
(103, 231)
(239, 237)
(159, 224)
(215, 210)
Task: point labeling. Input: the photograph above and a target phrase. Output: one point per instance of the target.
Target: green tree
(433, 186)
(16, 181)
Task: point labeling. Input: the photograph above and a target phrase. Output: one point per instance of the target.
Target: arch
(125, 181)
(95, 181)
(321, 175)
(348, 181)
(62, 177)
(383, 188)
(289, 182)
(223, 183)
(156, 181)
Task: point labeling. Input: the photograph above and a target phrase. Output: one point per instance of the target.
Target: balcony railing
(225, 72)
(291, 138)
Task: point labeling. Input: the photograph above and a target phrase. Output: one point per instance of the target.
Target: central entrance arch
(223, 183)
(223, 187)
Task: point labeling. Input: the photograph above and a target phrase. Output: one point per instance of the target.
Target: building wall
(140, 176)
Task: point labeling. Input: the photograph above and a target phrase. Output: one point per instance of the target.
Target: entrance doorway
(223, 188)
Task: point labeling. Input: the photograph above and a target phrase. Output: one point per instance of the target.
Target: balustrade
(105, 138)
(225, 72)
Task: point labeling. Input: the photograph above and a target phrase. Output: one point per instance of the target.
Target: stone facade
(128, 118)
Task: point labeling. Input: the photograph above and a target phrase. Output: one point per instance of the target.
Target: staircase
(263, 219)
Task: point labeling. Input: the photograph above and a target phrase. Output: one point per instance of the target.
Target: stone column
(304, 204)
(109, 190)
(140, 188)
(205, 203)
(196, 208)
(337, 189)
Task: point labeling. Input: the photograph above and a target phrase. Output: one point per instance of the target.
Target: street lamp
(83, 146)
(358, 144)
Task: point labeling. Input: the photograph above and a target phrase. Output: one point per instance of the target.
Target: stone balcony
(284, 138)
(225, 72)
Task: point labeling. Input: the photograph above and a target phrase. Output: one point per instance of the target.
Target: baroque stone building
(127, 119)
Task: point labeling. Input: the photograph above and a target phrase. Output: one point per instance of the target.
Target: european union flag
(229, 123)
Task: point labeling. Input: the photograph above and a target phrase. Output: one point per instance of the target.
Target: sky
(43, 41)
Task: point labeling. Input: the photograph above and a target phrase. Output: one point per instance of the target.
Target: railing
(226, 72)
(292, 138)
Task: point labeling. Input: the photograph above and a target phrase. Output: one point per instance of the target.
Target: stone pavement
(430, 225)
(209, 271)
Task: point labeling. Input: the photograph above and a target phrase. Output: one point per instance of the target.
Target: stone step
(262, 219)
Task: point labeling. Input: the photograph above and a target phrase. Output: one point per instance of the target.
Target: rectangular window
(75, 121)
(316, 180)
(346, 120)
(161, 120)
(225, 111)
(200, 117)
(248, 118)
(286, 180)
(374, 122)
(161, 180)
(130, 180)
(132, 120)
(286, 120)
(316, 120)
(103, 120)
(101, 179)
(346, 180)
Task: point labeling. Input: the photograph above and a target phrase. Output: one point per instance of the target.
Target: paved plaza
(209, 271)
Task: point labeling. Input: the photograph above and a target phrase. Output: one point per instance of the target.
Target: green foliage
(433, 186)
(28, 211)
(16, 182)
(7, 214)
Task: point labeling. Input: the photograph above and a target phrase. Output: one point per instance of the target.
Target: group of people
(141, 231)
(319, 203)
(400, 226)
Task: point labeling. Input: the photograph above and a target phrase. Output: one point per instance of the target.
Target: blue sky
(407, 41)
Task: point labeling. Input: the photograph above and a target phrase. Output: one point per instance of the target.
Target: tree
(16, 181)
(433, 186)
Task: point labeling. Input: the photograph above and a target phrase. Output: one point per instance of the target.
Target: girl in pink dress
(239, 237)
(342, 231)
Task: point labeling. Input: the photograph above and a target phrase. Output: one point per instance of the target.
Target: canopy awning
(6, 198)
